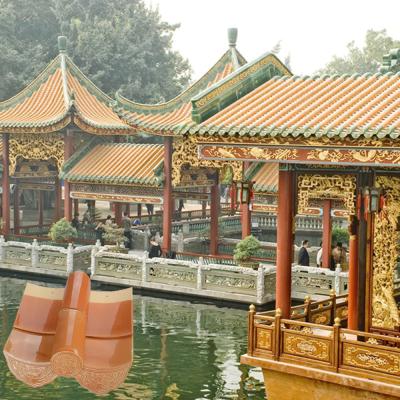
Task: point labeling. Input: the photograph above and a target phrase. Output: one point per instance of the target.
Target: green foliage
(114, 234)
(119, 44)
(246, 249)
(62, 230)
(340, 235)
(365, 59)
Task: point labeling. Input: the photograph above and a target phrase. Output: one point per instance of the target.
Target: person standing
(155, 248)
(304, 258)
(100, 233)
(126, 224)
(339, 256)
(319, 256)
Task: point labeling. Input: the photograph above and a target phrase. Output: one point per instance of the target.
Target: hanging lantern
(244, 192)
(375, 197)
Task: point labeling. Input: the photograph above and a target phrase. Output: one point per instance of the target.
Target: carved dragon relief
(185, 153)
(386, 236)
(36, 147)
(333, 187)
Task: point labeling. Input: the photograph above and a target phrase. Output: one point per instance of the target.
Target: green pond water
(182, 351)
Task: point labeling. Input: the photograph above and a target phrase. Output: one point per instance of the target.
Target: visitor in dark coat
(304, 258)
(155, 249)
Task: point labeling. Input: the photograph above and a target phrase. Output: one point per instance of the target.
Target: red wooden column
(353, 281)
(6, 185)
(68, 150)
(118, 213)
(246, 212)
(326, 234)
(284, 242)
(128, 209)
(41, 202)
(76, 206)
(232, 195)
(214, 214)
(204, 206)
(139, 210)
(168, 199)
(57, 200)
(16, 210)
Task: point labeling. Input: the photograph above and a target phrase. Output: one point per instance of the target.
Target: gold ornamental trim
(36, 147)
(386, 237)
(323, 141)
(185, 153)
(116, 197)
(270, 59)
(332, 187)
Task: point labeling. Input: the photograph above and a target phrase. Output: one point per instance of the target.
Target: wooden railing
(324, 346)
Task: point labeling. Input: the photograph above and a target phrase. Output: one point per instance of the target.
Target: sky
(310, 31)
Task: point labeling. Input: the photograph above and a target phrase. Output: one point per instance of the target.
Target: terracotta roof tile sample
(72, 332)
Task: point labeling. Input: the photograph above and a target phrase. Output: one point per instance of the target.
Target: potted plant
(114, 234)
(246, 249)
(62, 231)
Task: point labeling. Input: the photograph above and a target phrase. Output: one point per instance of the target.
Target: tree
(365, 59)
(119, 44)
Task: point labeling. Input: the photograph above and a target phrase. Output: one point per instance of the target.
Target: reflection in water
(182, 351)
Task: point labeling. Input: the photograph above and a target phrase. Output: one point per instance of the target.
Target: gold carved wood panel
(386, 236)
(36, 147)
(332, 187)
(372, 359)
(185, 153)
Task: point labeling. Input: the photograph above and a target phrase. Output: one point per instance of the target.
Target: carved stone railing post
(200, 274)
(2, 249)
(338, 270)
(260, 284)
(180, 241)
(185, 228)
(146, 239)
(94, 251)
(145, 271)
(35, 254)
(70, 258)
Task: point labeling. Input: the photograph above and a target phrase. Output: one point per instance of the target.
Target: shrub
(246, 249)
(340, 235)
(114, 234)
(62, 230)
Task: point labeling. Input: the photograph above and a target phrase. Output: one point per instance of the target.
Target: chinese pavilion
(334, 140)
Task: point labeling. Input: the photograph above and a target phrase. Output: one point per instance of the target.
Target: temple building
(334, 139)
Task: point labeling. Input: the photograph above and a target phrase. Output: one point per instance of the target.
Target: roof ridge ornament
(232, 36)
(391, 62)
(62, 44)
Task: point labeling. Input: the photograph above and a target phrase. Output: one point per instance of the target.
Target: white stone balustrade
(194, 277)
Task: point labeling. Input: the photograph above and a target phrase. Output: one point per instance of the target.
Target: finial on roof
(391, 62)
(62, 44)
(232, 36)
